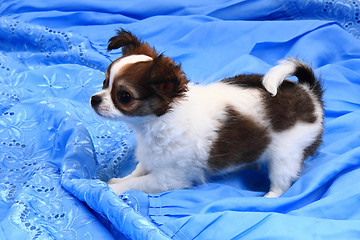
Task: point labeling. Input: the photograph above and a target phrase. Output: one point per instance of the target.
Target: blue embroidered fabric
(56, 154)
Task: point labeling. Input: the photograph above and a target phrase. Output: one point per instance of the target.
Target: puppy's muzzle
(95, 101)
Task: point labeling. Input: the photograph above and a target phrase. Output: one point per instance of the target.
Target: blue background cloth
(55, 153)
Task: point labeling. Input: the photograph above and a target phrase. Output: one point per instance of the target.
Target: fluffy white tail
(276, 75)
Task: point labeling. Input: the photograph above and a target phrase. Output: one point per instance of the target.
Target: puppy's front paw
(114, 181)
(118, 188)
(117, 184)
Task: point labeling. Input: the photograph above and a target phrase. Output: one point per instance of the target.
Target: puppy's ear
(124, 39)
(167, 78)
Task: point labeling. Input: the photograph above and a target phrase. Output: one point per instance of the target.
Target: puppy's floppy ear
(124, 39)
(167, 78)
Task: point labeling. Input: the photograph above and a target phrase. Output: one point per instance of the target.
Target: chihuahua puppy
(185, 131)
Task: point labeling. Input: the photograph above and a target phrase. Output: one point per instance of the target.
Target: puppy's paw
(114, 180)
(118, 188)
(272, 194)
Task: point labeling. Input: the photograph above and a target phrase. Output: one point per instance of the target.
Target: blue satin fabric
(55, 153)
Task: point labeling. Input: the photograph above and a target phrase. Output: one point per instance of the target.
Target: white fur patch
(285, 154)
(276, 75)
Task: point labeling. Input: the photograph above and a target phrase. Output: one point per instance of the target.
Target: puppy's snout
(95, 101)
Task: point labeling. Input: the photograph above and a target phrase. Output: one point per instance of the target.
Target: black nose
(95, 101)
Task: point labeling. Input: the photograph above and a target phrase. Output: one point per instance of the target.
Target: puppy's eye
(124, 97)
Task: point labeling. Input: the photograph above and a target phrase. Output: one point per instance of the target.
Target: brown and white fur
(186, 131)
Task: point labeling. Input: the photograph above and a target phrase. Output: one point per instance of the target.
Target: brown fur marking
(240, 141)
(291, 104)
(145, 81)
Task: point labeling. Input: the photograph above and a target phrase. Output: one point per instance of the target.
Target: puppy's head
(140, 83)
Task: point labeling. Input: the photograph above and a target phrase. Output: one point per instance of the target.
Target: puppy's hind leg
(286, 154)
(283, 171)
(285, 164)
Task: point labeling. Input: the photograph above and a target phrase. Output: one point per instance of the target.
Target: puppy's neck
(141, 125)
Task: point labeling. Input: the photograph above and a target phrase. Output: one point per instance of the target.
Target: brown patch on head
(167, 78)
(146, 88)
(291, 104)
(240, 140)
(129, 89)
